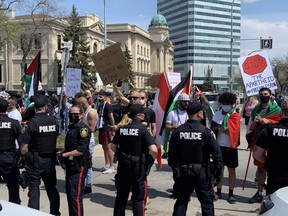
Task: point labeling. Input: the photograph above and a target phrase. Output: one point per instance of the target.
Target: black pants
(185, 186)
(74, 190)
(43, 169)
(10, 172)
(275, 182)
(125, 179)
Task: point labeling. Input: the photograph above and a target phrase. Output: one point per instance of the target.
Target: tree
(153, 80)
(208, 81)
(128, 57)
(9, 31)
(280, 71)
(34, 27)
(80, 57)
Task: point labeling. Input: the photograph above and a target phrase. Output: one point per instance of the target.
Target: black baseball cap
(194, 107)
(135, 109)
(3, 105)
(40, 101)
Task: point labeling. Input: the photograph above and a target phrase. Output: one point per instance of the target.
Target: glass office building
(201, 33)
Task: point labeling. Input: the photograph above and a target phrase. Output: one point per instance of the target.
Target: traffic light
(266, 43)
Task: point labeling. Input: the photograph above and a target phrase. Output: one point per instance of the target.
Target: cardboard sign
(111, 64)
(73, 81)
(256, 72)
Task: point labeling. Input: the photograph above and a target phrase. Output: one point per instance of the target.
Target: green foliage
(128, 57)
(9, 30)
(208, 81)
(80, 57)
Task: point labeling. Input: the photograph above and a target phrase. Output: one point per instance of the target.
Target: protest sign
(173, 78)
(256, 72)
(73, 82)
(111, 64)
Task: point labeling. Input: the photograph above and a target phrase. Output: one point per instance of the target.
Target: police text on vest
(49, 128)
(190, 135)
(280, 132)
(129, 131)
(5, 124)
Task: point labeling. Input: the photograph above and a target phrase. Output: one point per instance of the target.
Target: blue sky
(259, 18)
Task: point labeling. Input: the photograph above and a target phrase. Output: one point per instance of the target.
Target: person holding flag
(264, 114)
(226, 125)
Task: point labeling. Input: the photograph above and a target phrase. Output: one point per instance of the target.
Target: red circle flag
(254, 65)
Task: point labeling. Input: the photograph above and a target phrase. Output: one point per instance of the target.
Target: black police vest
(7, 134)
(44, 139)
(192, 146)
(277, 149)
(131, 139)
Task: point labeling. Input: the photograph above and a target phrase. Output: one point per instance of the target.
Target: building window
(137, 49)
(144, 51)
(141, 50)
(59, 72)
(148, 53)
(138, 66)
(37, 41)
(95, 48)
(59, 42)
(141, 66)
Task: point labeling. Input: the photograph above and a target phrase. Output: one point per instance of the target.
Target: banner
(73, 82)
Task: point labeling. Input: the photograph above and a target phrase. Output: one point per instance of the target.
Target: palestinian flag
(183, 87)
(32, 75)
(159, 107)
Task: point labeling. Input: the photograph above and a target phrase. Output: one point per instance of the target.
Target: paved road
(101, 201)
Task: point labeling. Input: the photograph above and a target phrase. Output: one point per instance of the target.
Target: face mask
(142, 101)
(264, 99)
(74, 118)
(226, 108)
(101, 101)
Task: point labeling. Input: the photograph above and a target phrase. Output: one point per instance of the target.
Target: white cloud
(141, 16)
(249, 1)
(254, 29)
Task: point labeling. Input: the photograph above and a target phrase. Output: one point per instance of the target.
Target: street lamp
(231, 48)
(105, 31)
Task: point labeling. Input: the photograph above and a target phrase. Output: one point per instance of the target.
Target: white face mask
(142, 101)
(226, 108)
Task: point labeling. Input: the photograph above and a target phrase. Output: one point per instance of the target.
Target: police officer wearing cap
(190, 147)
(39, 147)
(9, 131)
(271, 149)
(136, 149)
(76, 158)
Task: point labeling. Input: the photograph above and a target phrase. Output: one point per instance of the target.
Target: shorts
(230, 157)
(105, 137)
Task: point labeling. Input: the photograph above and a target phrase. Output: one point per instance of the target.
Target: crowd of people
(198, 149)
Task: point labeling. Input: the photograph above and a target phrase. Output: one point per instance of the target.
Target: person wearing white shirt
(13, 112)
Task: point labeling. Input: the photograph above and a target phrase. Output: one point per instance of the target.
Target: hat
(3, 105)
(183, 97)
(194, 107)
(135, 109)
(103, 92)
(4, 94)
(40, 101)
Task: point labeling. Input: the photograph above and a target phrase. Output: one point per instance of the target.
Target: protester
(12, 110)
(190, 148)
(265, 113)
(104, 123)
(226, 124)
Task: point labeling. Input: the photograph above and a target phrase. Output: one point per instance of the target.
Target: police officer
(273, 142)
(39, 147)
(136, 149)
(76, 159)
(190, 147)
(9, 131)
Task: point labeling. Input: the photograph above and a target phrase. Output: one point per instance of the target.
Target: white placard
(173, 78)
(73, 82)
(256, 72)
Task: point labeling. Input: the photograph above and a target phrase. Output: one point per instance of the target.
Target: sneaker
(217, 197)
(256, 198)
(87, 190)
(109, 171)
(231, 200)
(102, 169)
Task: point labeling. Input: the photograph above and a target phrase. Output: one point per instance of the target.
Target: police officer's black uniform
(41, 136)
(77, 138)
(133, 141)
(9, 155)
(190, 148)
(274, 139)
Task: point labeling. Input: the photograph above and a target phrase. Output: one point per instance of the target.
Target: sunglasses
(133, 98)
